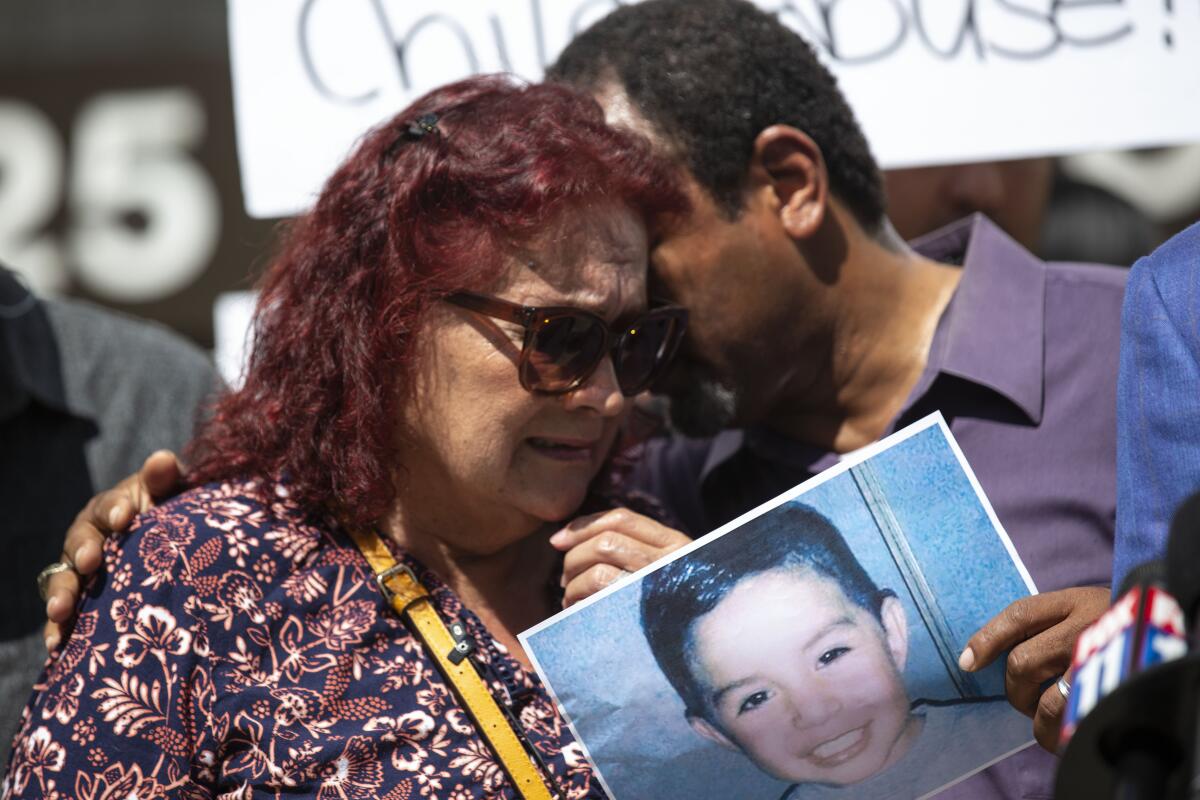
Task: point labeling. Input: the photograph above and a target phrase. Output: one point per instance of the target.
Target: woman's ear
(791, 163)
(709, 731)
(895, 629)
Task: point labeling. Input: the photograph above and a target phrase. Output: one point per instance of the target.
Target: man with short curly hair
(815, 330)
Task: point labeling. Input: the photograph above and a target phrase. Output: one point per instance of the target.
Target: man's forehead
(621, 112)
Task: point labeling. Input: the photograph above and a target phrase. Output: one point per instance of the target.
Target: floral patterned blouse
(234, 648)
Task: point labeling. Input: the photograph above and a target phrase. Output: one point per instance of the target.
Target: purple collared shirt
(1023, 365)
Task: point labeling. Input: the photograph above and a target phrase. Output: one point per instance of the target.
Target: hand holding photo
(806, 650)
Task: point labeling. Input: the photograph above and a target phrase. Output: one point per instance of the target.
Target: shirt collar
(992, 332)
(724, 445)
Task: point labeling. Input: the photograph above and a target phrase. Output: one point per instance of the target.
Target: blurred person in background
(1048, 213)
(1013, 194)
(86, 394)
(443, 352)
(1086, 223)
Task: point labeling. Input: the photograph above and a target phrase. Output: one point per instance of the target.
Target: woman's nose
(601, 392)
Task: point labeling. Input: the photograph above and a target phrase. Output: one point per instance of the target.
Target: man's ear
(709, 731)
(792, 163)
(895, 629)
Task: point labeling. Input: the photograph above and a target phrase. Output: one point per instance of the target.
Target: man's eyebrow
(844, 621)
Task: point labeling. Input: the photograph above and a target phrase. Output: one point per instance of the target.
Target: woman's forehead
(601, 287)
(593, 255)
(602, 231)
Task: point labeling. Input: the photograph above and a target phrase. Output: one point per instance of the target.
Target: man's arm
(111, 511)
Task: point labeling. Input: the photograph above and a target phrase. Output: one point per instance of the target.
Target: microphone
(1183, 579)
(1144, 627)
(1122, 727)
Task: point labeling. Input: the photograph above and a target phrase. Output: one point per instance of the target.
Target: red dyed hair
(403, 222)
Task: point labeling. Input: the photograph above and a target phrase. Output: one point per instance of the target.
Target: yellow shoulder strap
(412, 602)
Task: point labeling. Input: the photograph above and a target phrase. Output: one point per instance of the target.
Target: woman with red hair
(443, 354)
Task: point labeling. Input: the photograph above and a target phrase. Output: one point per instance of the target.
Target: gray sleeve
(144, 385)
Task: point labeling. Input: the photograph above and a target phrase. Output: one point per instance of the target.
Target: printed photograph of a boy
(783, 649)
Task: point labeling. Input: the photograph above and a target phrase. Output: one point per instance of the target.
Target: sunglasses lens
(563, 350)
(645, 348)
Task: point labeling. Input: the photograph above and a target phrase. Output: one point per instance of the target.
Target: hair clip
(426, 123)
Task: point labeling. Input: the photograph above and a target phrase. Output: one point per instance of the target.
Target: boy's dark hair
(711, 75)
(793, 536)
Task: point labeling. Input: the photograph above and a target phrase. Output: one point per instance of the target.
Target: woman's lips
(567, 450)
(840, 749)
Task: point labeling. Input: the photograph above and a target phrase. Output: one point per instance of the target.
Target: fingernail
(52, 641)
(52, 605)
(966, 661)
(114, 516)
(558, 538)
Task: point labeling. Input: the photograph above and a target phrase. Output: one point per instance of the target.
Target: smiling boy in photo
(783, 649)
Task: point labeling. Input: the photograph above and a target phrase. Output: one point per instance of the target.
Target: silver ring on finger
(1064, 687)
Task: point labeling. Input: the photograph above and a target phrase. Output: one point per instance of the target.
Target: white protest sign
(932, 81)
(233, 316)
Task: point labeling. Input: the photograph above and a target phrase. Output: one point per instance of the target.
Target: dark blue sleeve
(1158, 399)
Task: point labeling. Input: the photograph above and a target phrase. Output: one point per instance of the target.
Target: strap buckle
(381, 579)
(464, 643)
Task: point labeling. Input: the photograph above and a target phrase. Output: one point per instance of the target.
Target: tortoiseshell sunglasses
(564, 345)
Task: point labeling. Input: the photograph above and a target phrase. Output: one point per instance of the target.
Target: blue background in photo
(630, 718)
